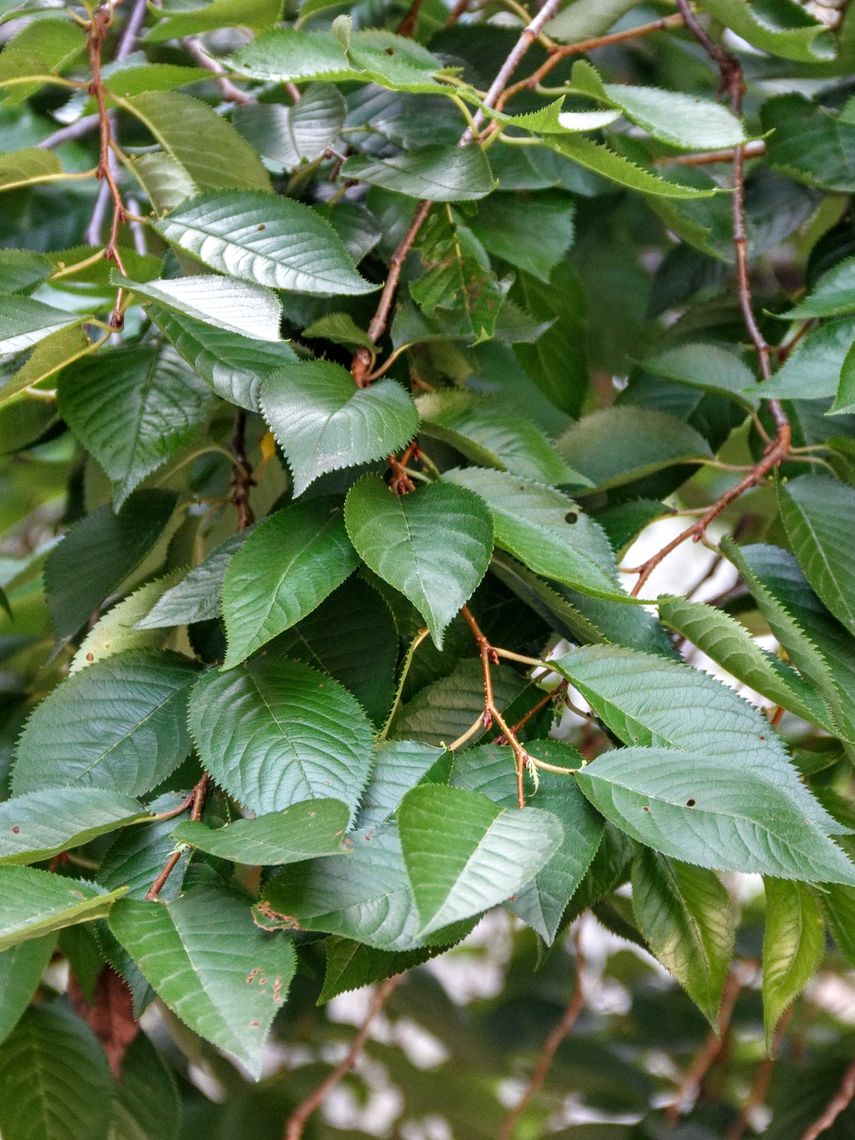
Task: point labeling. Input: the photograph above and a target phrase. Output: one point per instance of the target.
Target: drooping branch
(300, 1116)
(838, 1104)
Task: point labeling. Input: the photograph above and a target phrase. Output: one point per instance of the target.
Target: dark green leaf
(306, 830)
(440, 173)
(39, 824)
(21, 969)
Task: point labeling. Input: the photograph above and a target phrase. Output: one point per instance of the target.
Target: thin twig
(706, 1056)
(71, 133)
(754, 149)
(197, 800)
(456, 12)
(242, 478)
(838, 1103)
(230, 91)
(546, 699)
(408, 25)
(300, 1116)
(550, 1047)
(760, 1084)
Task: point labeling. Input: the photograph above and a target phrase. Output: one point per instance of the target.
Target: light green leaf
(613, 166)
(551, 120)
(545, 530)
(323, 422)
(54, 1079)
(25, 167)
(287, 136)
(211, 965)
(22, 269)
(440, 173)
(833, 295)
(163, 179)
(119, 725)
(50, 355)
(781, 28)
(229, 305)
(819, 514)
(587, 18)
(464, 854)
(709, 367)
(258, 15)
(276, 732)
(289, 563)
(126, 78)
(619, 444)
(650, 700)
(496, 433)
(532, 233)
(687, 918)
(728, 643)
(206, 145)
(98, 553)
(398, 766)
(845, 398)
(264, 239)
(133, 409)
(691, 807)
(233, 365)
(24, 322)
(433, 545)
(33, 903)
(117, 631)
(812, 371)
(306, 830)
(340, 328)
(21, 969)
(793, 947)
(198, 596)
(40, 824)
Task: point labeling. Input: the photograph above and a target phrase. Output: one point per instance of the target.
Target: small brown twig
(708, 1053)
(408, 25)
(229, 91)
(838, 1103)
(242, 480)
(299, 1117)
(492, 713)
(550, 1047)
(753, 149)
(196, 801)
(456, 12)
(559, 691)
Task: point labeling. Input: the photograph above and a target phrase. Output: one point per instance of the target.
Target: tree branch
(706, 1056)
(300, 1116)
(197, 800)
(242, 478)
(230, 91)
(838, 1103)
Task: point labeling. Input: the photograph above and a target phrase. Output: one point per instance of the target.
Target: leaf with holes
(323, 422)
(275, 733)
(211, 965)
(433, 545)
(282, 572)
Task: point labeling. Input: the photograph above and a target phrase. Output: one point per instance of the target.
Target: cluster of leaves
(248, 765)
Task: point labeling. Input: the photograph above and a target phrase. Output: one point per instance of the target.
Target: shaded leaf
(793, 947)
(440, 173)
(33, 903)
(41, 823)
(21, 969)
(305, 830)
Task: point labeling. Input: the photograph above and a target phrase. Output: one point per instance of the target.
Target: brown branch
(754, 149)
(708, 1053)
(70, 133)
(546, 699)
(408, 25)
(300, 1116)
(456, 12)
(228, 90)
(492, 713)
(732, 82)
(838, 1103)
(760, 1084)
(242, 479)
(197, 800)
(550, 1047)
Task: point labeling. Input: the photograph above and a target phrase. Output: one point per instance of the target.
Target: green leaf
(48, 357)
(534, 234)
(276, 732)
(33, 903)
(24, 167)
(688, 920)
(808, 143)
(464, 853)
(119, 725)
(98, 553)
(265, 239)
(323, 422)
(833, 296)
(812, 370)
(24, 322)
(198, 596)
(289, 563)
(366, 897)
(206, 145)
(398, 766)
(350, 965)
(22, 269)
(340, 328)
(845, 398)
(545, 530)
(495, 433)
(819, 514)
(21, 970)
(126, 78)
(54, 1079)
(116, 631)
(729, 644)
(650, 700)
(557, 361)
(433, 545)
(287, 136)
(233, 365)
(586, 19)
(211, 965)
(691, 807)
(133, 409)
(793, 947)
(163, 179)
(352, 636)
(439, 173)
(306, 830)
(146, 1106)
(258, 15)
(620, 444)
(780, 27)
(231, 306)
(710, 367)
(613, 166)
(40, 824)
(489, 769)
